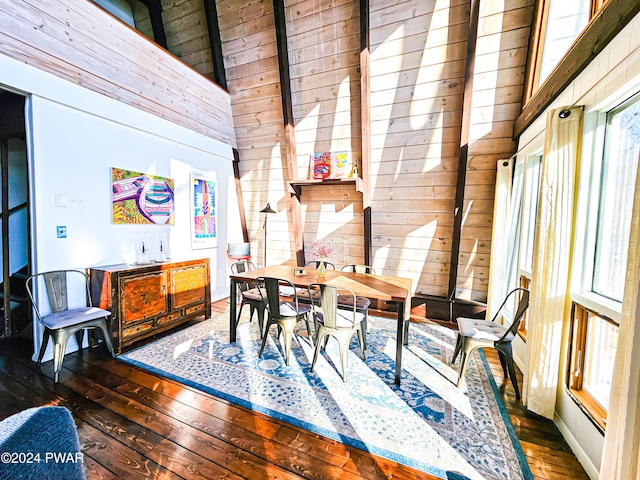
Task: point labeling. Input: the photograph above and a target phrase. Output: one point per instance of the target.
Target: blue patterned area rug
(427, 423)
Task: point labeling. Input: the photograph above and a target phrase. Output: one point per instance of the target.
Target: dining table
(391, 289)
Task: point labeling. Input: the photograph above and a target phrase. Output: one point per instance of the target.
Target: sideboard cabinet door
(188, 285)
(143, 297)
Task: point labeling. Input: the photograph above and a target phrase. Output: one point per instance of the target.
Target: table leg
(232, 311)
(399, 341)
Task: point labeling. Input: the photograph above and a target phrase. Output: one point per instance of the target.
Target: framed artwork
(140, 198)
(329, 165)
(204, 196)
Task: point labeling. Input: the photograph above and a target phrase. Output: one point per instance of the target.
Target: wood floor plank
(307, 443)
(135, 424)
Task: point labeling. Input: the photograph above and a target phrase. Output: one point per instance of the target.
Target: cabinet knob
(145, 297)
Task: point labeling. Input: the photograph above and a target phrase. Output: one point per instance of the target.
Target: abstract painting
(204, 232)
(141, 198)
(330, 165)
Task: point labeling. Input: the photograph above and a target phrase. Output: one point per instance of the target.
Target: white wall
(74, 138)
(611, 77)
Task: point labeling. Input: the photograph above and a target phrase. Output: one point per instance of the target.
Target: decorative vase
(322, 270)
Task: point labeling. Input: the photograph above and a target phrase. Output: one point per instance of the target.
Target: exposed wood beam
(464, 147)
(157, 25)
(289, 127)
(614, 16)
(243, 215)
(365, 90)
(215, 43)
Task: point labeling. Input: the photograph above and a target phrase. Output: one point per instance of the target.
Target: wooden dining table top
(381, 287)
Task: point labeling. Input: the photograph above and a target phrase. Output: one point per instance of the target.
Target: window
(616, 200)
(607, 191)
(590, 375)
(559, 24)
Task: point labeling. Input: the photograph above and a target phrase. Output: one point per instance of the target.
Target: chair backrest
(316, 264)
(355, 268)
(239, 251)
(242, 266)
(56, 284)
(271, 285)
(523, 304)
(328, 303)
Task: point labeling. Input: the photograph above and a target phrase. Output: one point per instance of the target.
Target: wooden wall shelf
(296, 185)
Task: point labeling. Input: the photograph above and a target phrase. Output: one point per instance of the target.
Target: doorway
(15, 310)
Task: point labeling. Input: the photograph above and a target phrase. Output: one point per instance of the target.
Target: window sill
(603, 306)
(594, 412)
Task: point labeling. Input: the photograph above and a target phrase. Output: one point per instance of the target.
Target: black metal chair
(63, 321)
(355, 268)
(249, 294)
(283, 313)
(481, 333)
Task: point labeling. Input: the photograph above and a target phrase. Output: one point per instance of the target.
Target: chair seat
(347, 301)
(344, 318)
(288, 309)
(481, 329)
(74, 316)
(253, 294)
(303, 295)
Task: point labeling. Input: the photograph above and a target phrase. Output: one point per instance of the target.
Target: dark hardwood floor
(134, 424)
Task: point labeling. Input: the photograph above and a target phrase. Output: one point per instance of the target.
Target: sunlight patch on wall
(306, 133)
(339, 140)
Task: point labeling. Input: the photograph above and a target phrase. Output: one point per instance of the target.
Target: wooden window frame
(537, 42)
(575, 366)
(525, 282)
(603, 27)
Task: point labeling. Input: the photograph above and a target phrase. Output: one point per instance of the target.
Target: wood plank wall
(248, 36)
(324, 57)
(187, 34)
(418, 53)
(80, 42)
(501, 55)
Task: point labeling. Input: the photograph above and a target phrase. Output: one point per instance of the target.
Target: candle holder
(163, 248)
(143, 248)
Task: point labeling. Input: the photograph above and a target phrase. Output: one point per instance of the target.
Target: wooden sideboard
(147, 299)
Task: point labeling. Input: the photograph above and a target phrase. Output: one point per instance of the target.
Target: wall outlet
(61, 231)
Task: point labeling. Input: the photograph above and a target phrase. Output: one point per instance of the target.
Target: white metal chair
(283, 313)
(479, 333)
(332, 319)
(62, 321)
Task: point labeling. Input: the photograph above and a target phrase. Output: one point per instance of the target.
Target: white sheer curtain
(549, 305)
(621, 453)
(499, 237)
(505, 234)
